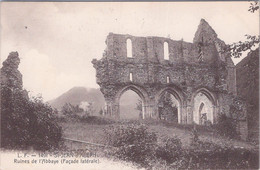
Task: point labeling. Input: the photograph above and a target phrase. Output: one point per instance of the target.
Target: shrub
(218, 157)
(96, 120)
(208, 155)
(45, 132)
(71, 111)
(133, 142)
(24, 122)
(27, 122)
(197, 144)
(136, 144)
(226, 126)
(171, 150)
(194, 136)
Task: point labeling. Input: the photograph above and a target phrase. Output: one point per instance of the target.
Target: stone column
(144, 111)
(189, 114)
(242, 129)
(215, 112)
(179, 114)
(152, 109)
(242, 123)
(112, 108)
(147, 111)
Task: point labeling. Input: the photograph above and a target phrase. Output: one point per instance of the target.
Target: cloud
(57, 41)
(39, 75)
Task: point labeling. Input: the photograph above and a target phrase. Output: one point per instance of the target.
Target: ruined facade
(198, 74)
(247, 71)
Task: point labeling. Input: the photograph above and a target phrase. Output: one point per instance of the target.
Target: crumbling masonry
(199, 75)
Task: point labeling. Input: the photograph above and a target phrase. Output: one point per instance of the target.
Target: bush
(133, 142)
(199, 145)
(136, 144)
(27, 122)
(45, 132)
(218, 157)
(96, 120)
(71, 111)
(226, 126)
(170, 151)
(208, 155)
(194, 136)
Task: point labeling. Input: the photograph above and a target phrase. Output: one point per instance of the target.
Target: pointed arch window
(166, 50)
(131, 76)
(129, 48)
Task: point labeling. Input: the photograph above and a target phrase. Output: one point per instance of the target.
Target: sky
(57, 41)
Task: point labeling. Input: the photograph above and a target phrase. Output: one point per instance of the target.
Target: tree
(66, 109)
(70, 110)
(236, 49)
(167, 109)
(25, 122)
(247, 75)
(254, 6)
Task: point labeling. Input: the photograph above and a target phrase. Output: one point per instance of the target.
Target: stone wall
(152, 49)
(192, 68)
(10, 75)
(247, 71)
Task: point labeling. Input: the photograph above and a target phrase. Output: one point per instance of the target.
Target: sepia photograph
(129, 85)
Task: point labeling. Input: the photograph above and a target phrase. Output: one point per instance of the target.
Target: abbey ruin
(199, 75)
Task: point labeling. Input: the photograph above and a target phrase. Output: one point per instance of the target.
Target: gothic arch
(197, 104)
(208, 93)
(174, 91)
(129, 48)
(178, 96)
(166, 50)
(138, 90)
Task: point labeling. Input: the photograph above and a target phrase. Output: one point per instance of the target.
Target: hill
(76, 95)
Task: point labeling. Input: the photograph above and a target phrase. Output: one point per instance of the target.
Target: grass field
(93, 131)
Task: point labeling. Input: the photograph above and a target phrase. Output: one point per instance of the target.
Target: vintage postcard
(129, 85)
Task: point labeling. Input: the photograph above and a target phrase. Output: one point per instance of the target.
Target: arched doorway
(135, 98)
(169, 104)
(130, 105)
(168, 107)
(203, 108)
